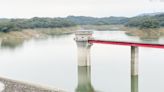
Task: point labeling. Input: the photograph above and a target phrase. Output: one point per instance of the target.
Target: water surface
(53, 62)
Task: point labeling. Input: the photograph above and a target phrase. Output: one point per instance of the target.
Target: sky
(63, 8)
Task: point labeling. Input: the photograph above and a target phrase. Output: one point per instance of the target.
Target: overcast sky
(62, 8)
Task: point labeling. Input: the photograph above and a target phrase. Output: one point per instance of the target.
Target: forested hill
(36, 22)
(83, 20)
(131, 22)
(138, 20)
(7, 25)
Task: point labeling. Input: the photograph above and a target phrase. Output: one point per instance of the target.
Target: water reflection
(84, 80)
(11, 43)
(18, 42)
(150, 35)
(134, 83)
(85, 85)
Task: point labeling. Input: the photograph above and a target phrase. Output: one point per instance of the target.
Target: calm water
(53, 62)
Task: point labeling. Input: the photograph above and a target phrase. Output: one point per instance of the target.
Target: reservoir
(52, 62)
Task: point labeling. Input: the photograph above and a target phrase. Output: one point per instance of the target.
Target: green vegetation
(82, 20)
(142, 21)
(14, 32)
(7, 25)
(36, 33)
(146, 21)
(149, 23)
(149, 26)
(14, 39)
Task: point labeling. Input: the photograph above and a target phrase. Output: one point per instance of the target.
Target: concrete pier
(83, 47)
(83, 53)
(134, 61)
(84, 80)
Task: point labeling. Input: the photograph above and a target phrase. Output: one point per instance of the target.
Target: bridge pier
(134, 61)
(83, 47)
(84, 53)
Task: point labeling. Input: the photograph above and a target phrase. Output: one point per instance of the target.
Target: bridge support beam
(83, 47)
(134, 61)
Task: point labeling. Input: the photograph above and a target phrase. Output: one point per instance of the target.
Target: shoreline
(9, 85)
(145, 33)
(36, 33)
(14, 39)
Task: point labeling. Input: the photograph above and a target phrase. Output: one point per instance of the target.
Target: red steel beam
(128, 43)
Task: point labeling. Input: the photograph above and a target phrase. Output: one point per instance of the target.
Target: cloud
(60, 8)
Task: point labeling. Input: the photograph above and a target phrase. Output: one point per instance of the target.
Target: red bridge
(85, 39)
(127, 43)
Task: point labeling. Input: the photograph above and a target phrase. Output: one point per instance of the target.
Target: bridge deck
(120, 38)
(152, 45)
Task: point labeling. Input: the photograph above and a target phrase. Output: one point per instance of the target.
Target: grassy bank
(145, 33)
(45, 32)
(36, 33)
(16, 38)
(102, 27)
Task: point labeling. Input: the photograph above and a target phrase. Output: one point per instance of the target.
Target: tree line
(144, 21)
(147, 21)
(7, 25)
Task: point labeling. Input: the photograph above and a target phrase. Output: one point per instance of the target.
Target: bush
(162, 23)
(7, 27)
(149, 23)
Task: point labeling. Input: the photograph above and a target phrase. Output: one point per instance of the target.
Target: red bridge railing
(128, 43)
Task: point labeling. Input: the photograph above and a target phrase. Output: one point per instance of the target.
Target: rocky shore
(7, 85)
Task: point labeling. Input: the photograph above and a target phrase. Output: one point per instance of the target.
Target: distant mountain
(131, 22)
(137, 21)
(151, 14)
(37, 22)
(83, 20)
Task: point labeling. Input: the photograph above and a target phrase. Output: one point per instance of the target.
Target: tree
(7, 27)
(149, 23)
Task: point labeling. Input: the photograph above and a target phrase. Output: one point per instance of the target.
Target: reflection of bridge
(84, 42)
(85, 84)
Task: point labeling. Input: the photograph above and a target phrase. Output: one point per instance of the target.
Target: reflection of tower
(134, 83)
(84, 79)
